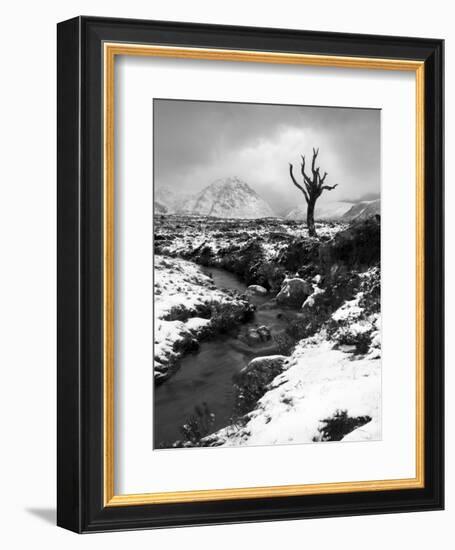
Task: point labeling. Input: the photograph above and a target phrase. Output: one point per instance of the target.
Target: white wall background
(27, 287)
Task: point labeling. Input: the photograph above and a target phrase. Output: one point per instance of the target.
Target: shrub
(252, 382)
(186, 344)
(359, 245)
(227, 315)
(247, 396)
(182, 313)
(243, 260)
(298, 329)
(361, 339)
(341, 287)
(340, 424)
(270, 276)
(284, 342)
(371, 288)
(198, 425)
(301, 255)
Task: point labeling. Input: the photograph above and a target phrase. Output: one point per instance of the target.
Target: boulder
(264, 333)
(256, 336)
(252, 381)
(253, 337)
(262, 367)
(294, 292)
(312, 299)
(256, 290)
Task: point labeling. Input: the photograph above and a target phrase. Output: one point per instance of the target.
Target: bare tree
(312, 189)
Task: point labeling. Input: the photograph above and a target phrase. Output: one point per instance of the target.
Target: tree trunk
(310, 218)
(312, 189)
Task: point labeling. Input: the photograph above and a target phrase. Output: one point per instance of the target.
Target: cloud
(198, 142)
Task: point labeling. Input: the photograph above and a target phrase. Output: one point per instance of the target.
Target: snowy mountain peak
(168, 201)
(363, 210)
(344, 211)
(229, 197)
(323, 212)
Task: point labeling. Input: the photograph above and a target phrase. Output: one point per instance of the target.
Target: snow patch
(350, 310)
(318, 382)
(182, 292)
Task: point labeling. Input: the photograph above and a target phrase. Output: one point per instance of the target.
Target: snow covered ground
(184, 299)
(326, 391)
(178, 235)
(328, 388)
(319, 382)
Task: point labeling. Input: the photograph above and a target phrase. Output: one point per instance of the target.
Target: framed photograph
(250, 274)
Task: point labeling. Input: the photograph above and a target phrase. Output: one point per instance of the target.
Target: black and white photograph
(267, 299)
(224, 275)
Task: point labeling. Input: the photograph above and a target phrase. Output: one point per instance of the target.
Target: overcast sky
(199, 142)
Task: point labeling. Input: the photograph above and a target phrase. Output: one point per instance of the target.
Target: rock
(294, 292)
(262, 366)
(252, 380)
(264, 333)
(312, 299)
(256, 290)
(253, 337)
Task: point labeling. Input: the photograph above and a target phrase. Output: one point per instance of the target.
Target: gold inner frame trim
(110, 50)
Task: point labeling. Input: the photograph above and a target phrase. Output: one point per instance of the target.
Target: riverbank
(260, 252)
(323, 395)
(309, 354)
(188, 309)
(328, 389)
(208, 376)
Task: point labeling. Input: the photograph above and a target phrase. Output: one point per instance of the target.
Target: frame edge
(80, 507)
(69, 509)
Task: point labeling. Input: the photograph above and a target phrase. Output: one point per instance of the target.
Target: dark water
(207, 375)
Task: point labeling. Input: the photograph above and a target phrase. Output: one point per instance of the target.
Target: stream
(207, 375)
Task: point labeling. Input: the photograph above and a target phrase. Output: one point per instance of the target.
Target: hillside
(228, 198)
(362, 210)
(323, 212)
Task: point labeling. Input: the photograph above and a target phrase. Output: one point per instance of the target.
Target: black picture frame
(80, 475)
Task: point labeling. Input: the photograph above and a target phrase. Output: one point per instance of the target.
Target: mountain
(228, 198)
(160, 208)
(362, 210)
(168, 201)
(330, 211)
